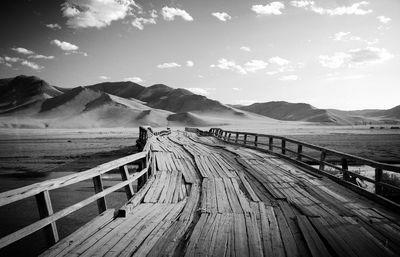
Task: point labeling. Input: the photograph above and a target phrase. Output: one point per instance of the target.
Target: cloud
(345, 36)
(225, 64)
(169, 14)
(278, 60)
(356, 57)
(54, 26)
(22, 50)
(354, 9)
(245, 48)
(336, 76)
(334, 61)
(268, 9)
(250, 66)
(64, 45)
(255, 65)
(198, 91)
(168, 65)
(40, 56)
(222, 16)
(134, 79)
(139, 22)
(12, 59)
(104, 77)
(95, 13)
(289, 77)
(236, 89)
(189, 63)
(31, 65)
(383, 19)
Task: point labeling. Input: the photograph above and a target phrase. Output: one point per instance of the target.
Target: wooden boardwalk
(209, 198)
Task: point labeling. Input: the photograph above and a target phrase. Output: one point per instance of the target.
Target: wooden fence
(308, 155)
(42, 191)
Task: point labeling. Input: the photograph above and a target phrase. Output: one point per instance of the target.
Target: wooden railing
(146, 132)
(197, 131)
(42, 191)
(308, 155)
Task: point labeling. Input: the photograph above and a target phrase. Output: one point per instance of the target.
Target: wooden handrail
(42, 190)
(297, 156)
(31, 190)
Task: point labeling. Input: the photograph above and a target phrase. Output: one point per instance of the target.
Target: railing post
(98, 187)
(321, 161)
(299, 151)
(229, 137)
(225, 135)
(271, 143)
(255, 140)
(45, 209)
(237, 137)
(283, 146)
(245, 139)
(345, 168)
(125, 176)
(142, 180)
(378, 178)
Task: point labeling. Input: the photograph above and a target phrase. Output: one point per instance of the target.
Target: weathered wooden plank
(315, 244)
(68, 243)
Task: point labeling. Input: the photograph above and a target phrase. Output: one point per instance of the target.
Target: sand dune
(31, 102)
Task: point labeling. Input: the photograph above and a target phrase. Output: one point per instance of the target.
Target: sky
(338, 54)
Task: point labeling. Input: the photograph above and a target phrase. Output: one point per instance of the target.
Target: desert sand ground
(32, 155)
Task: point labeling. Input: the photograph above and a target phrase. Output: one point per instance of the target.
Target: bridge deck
(208, 198)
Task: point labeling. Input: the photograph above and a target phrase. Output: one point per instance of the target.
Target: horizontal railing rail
(307, 155)
(42, 190)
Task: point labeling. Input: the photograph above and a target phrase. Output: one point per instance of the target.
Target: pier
(225, 193)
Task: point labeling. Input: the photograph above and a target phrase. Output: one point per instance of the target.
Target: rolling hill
(27, 101)
(281, 110)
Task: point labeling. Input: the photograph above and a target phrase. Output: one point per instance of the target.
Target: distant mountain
(24, 90)
(31, 102)
(126, 89)
(305, 112)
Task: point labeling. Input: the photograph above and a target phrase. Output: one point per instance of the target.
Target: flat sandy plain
(32, 155)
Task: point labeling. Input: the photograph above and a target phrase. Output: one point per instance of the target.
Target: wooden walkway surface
(208, 198)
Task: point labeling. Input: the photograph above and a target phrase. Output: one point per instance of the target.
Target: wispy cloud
(54, 26)
(95, 13)
(289, 77)
(104, 77)
(222, 16)
(250, 66)
(22, 50)
(189, 63)
(384, 19)
(139, 22)
(245, 48)
(65, 46)
(168, 65)
(278, 60)
(40, 56)
(225, 64)
(354, 9)
(32, 65)
(169, 14)
(134, 79)
(255, 65)
(273, 8)
(355, 57)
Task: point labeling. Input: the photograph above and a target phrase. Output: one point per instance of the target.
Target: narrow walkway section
(208, 198)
